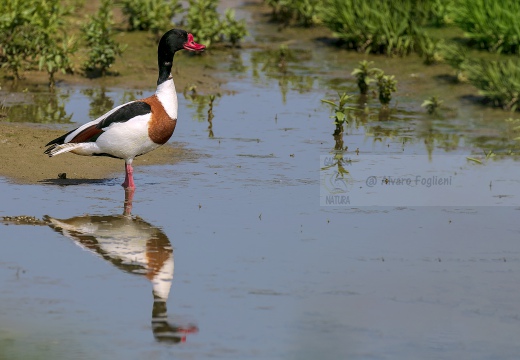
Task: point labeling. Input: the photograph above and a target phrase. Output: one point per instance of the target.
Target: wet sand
(23, 160)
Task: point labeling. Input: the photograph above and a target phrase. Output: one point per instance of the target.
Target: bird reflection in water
(134, 246)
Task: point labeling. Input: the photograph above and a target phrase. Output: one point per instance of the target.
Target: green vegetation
(15, 39)
(203, 20)
(402, 27)
(432, 104)
(364, 74)
(99, 37)
(382, 26)
(340, 110)
(514, 128)
(454, 55)
(233, 30)
(298, 12)
(207, 27)
(498, 81)
(38, 35)
(28, 28)
(490, 25)
(150, 15)
(386, 85)
(440, 12)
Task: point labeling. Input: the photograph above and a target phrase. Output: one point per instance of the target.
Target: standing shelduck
(137, 127)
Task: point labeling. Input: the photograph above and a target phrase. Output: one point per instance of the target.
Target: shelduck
(137, 127)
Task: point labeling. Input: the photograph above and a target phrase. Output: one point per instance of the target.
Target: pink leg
(129, 177)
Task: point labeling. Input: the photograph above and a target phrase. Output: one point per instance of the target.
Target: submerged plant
(386, 85)
(363, 74)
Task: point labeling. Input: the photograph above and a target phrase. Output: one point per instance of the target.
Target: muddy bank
(23, 160)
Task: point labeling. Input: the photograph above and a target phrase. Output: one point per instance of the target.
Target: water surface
(261, 269)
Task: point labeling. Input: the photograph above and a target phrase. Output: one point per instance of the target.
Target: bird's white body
(124, 140)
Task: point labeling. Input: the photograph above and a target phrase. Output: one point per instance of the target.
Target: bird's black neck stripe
(165, 66)
(164, 73)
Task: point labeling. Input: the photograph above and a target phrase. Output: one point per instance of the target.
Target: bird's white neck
(167, 95)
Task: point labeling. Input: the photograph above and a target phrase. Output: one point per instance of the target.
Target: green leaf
(474, 160)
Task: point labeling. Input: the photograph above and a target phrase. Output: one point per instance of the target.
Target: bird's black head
(175, 40)
(171, 42)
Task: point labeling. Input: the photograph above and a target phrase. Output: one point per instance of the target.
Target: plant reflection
(133, 246)
(100, 103)
(199, 102)
(282, 64)
(42, 107)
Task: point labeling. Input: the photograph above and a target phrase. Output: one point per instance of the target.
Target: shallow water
(264, 268)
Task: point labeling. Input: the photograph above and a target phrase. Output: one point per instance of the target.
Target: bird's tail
(56, 149)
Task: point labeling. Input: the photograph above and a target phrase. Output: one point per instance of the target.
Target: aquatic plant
(363, 74)
(150, 15)
(432, 104)
(340, 110)
(490, 25)
(99, 37)
(498, 81)
(386, 85)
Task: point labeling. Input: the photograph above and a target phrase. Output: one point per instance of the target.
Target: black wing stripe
(126, 113)
(61, 139)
